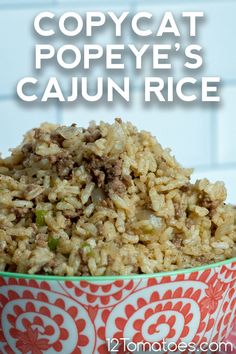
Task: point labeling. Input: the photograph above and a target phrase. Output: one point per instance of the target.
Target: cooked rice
(107, 200)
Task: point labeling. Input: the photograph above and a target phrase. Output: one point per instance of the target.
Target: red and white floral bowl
(45, 314)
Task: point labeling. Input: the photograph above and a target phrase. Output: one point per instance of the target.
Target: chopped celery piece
(53, 243)
(85, 244)
(40, 217)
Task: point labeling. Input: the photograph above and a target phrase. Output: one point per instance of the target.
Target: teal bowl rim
(115, 277)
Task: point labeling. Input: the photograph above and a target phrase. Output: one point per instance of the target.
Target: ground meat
(63, 164)
(85, 270)
(107, 174)
(31, 159)
(41, 240)
(117, 186)
(53, 158)
(57, 138)
(92, 134)
(201, 259)
(20, 212)
(127, 180)
(177, 241)
(38, 133)
(179, 212)
(118, 120)
(29, 188)
(117, 168)
(40, 198)
(100, 229)
(52, 263)
(205, 202)
(107, 203)
(186, 188)
(189, 223)
(27, 148)
(100, 176)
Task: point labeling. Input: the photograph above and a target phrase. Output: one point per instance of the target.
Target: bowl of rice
(106, 245)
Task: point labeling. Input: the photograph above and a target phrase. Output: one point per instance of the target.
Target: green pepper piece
(40, 217)
(53, 243)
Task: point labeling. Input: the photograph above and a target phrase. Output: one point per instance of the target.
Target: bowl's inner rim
(117, 277)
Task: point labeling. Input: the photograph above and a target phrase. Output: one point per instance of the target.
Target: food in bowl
(107, 200)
